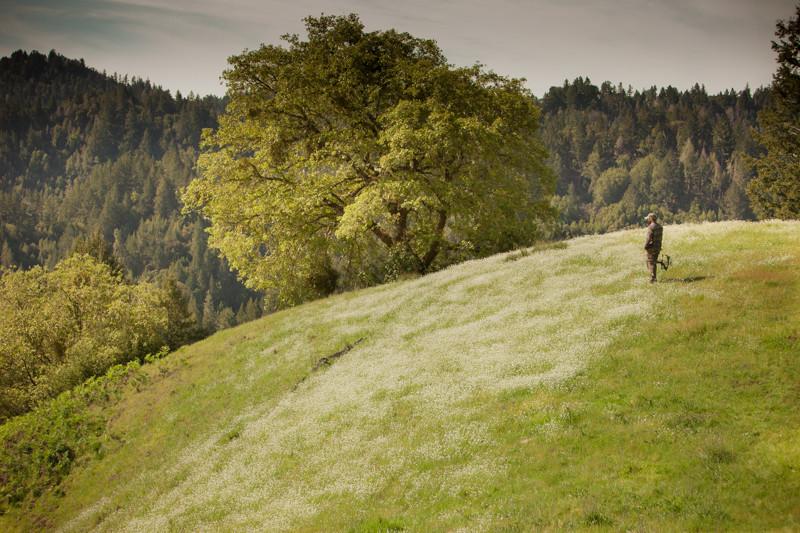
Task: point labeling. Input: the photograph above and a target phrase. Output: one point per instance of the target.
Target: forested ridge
(621, 153)
(86, 154)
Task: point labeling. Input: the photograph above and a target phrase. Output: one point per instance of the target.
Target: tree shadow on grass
(690, 279)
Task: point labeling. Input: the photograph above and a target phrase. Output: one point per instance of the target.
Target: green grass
(557, 390)
(689, 424)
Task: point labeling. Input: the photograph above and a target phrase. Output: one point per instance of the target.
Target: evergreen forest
(88, 156)
(620, 154)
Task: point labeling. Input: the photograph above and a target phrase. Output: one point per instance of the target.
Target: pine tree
(240, 315)
(164, 204)
(183, 326)
(209, 313)
(7, 256)
(776, 190)
(96, 246)
(225, 318)
(252, 309)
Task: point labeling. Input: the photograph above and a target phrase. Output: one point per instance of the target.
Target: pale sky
(184, 44)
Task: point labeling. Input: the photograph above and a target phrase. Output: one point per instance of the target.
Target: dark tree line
(620, 153)
(87, 155)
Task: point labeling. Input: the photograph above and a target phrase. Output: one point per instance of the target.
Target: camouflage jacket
(654, 234)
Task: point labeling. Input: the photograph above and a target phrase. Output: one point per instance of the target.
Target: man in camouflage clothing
(653, 244)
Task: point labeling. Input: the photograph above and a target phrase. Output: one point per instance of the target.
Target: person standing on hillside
(653, 244)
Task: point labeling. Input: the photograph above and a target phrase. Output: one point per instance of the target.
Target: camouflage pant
(652, 257)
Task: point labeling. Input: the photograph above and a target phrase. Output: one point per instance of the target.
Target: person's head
(650, 218)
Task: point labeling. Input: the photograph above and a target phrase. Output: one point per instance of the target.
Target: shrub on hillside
(60, 327)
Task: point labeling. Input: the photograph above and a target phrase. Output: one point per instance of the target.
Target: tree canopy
(354, 154)
(776, 190)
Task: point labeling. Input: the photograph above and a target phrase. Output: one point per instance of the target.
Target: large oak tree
(355, 151)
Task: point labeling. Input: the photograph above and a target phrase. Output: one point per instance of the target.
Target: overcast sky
(184, 44)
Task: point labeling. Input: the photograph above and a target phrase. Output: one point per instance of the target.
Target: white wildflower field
(242, 434)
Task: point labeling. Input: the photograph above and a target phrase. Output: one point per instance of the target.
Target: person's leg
(651, 265)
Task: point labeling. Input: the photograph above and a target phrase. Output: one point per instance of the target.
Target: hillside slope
(548, 389)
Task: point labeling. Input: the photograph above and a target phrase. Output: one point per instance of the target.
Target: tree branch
(261, 176)
(384, 237)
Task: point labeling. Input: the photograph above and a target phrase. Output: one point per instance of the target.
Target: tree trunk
(433, 251)
(402, 224)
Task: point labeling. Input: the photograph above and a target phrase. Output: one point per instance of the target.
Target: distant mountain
(84, 154)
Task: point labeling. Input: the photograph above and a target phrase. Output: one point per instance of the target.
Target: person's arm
(649, 240)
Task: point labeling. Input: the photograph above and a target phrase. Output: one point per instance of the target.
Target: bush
(60, 327)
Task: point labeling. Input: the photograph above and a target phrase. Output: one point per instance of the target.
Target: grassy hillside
(548, 389)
